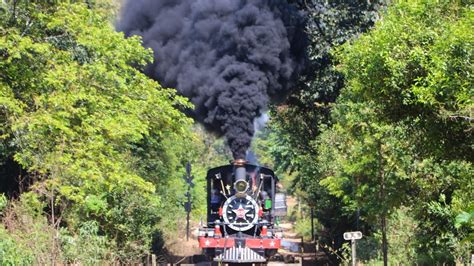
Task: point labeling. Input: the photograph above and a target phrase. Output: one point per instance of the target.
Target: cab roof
(229, 168)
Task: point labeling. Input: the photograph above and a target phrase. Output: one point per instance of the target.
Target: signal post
(353, 236)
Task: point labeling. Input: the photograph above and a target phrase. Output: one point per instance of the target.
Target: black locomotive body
(243, 207)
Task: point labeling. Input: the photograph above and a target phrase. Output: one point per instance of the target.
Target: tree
(298, 120)
(413, 71)
(296, 124)
(366, 163)
(98, 139)
(399, 133)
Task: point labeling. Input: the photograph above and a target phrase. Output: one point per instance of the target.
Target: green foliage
(26, 238)
(417, 64)
(105, 146)
(209, 151)
(22, 222)
(297, 123)
(401, 237)
(86, 248)
(3, 203)
(416, 68)
(101, 140)
(398, 136)
(465, 219)
(359, 158)
(303, 227)
(11, 253)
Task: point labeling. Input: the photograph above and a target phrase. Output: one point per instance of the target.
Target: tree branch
(461, 117)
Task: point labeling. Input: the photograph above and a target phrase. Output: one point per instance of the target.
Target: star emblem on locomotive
(240, 212)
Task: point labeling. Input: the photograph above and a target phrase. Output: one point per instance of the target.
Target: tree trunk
(384, 207)
(384, 239)
(53, 222)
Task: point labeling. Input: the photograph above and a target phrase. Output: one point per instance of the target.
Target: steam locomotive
(243, 208)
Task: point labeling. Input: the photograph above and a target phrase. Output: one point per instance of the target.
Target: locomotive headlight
(241, 186)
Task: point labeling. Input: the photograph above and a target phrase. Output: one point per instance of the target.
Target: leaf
(464, 218)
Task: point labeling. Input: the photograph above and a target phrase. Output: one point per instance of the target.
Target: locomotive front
(243, 207)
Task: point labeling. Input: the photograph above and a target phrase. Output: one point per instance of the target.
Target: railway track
(294, 251)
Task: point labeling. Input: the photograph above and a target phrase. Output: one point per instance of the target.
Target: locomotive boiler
(243, 208)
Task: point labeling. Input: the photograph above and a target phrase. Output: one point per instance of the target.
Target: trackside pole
(187, 226)
(187, 205)
(354, 257)
(353, 236)
(312, 224)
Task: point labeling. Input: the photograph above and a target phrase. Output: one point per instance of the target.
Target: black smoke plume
(231, 58)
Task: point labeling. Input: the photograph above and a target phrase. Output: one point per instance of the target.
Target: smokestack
(239, 168)
(231, 58)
